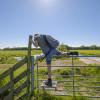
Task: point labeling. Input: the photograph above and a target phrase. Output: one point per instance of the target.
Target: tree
(63, 47)
(93, 47)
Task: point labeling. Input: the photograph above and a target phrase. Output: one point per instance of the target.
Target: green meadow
(8, 61)
(89, 52)
(17, 53)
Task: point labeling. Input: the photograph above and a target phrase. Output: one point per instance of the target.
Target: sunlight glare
(47, 3)
(47, 6)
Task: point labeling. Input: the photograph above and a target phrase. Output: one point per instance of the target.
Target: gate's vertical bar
(73, 75)
(37, 79)
(32, 76)
(11, 85)
(29, 63)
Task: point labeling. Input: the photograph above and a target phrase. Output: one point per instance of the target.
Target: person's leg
(48, 61)
(49, 71)
(49, 80)
(39, 56)
(59, 53)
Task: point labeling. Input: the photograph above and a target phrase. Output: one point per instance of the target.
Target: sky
(72, 22)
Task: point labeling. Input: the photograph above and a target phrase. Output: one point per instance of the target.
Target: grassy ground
(62, 71)
(18, 53)
(89, 52)
(15, 53)
(4, 67)
(45, 96)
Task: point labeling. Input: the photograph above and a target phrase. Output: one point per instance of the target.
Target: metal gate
(80, 80)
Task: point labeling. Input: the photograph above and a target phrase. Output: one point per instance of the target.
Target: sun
(47, 3)
(47, 6)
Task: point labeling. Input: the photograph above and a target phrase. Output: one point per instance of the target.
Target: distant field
(89, 52)
(17, 52)
(24, 52)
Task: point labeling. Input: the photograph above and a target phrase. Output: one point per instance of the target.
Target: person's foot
(49, 83)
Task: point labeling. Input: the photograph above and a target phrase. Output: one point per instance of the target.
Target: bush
(3, 60)
(78, 71)
(43, 71)
(90, 71)
(64, 72)
(7, 60)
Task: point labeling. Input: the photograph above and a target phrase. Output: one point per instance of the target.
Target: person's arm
(35, 43)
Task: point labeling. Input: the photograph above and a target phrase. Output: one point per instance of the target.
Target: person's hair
(35, 36)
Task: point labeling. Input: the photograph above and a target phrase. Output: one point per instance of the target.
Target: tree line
(18, 48)
(62, 47)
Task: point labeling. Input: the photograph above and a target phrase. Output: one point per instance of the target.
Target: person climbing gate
(48, 45)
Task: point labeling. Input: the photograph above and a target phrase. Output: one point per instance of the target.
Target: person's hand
(35, 43)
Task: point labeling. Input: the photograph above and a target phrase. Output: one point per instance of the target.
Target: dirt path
(61, 64)
(58, 63)
(90, 60)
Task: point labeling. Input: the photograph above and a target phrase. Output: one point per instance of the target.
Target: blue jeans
(51, 54)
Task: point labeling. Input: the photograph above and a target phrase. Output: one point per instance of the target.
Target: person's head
(36, 36)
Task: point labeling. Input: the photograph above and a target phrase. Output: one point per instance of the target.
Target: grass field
(15, 53)
(9, 54)
(18, 53)
(89, 52)
(64, 71)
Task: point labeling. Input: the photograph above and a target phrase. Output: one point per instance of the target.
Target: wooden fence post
(29, 63)
(11, 84)
(73, 78)
(32, 76)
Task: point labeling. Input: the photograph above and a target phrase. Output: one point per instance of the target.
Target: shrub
(65, 72)
(43, 71)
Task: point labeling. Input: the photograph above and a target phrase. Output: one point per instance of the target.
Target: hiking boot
(49, 83)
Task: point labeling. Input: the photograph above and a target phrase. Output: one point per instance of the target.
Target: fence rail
(13, 80)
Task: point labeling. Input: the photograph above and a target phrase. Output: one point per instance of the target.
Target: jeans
(51, 54)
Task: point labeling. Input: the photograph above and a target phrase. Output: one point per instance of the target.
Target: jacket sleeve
(35, 43)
